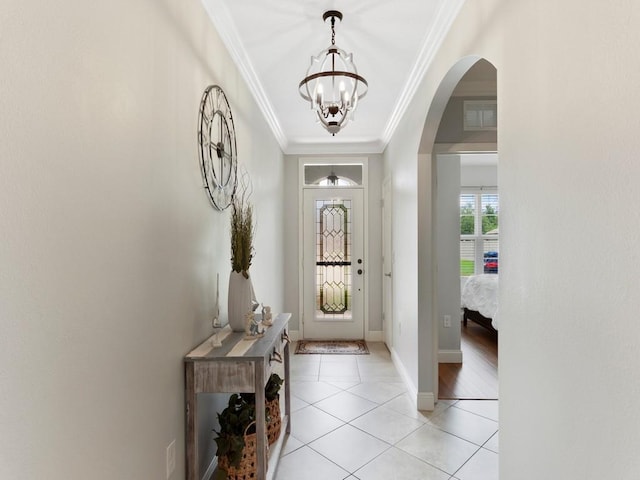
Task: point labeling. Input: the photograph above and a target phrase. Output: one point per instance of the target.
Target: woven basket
(248, 468)
(275, 422)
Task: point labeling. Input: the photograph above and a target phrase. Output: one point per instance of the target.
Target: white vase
(240, 301)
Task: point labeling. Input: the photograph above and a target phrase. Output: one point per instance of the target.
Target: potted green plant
(272, 389)
(236, 439)
(272, 399)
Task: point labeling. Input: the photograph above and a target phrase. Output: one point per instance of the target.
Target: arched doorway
(428, 252)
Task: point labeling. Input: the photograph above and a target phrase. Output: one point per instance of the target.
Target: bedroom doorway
(477, 377)
(465, 207)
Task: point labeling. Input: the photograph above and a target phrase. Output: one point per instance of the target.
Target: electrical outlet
(447, 321)
(171, 458)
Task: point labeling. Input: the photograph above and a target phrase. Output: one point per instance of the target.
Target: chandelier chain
(333, 30)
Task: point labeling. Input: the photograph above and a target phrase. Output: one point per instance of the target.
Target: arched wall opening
(428, 322)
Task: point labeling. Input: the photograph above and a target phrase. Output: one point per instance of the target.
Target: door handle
(359, 271)
(387, 274)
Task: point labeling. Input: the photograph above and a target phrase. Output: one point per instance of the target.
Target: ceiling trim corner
(226, 28)
(443, 20)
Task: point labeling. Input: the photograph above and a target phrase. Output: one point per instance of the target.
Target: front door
(333, 266)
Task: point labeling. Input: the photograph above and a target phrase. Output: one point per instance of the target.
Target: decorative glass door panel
(333, 263)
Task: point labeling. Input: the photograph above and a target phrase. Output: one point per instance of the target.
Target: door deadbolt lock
(359, 271)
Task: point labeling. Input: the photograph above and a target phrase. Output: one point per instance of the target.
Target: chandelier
(332, 85)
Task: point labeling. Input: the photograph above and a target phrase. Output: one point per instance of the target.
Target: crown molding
(433, 40)
(226, 28)
(351, 146)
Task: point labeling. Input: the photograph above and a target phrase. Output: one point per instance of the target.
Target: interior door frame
(326, 160)
(387, 263)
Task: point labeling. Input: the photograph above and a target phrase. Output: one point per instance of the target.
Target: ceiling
(393, 43)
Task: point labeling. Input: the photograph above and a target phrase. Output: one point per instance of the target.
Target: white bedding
(480, 293)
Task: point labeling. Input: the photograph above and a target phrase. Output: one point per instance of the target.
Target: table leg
(287, 389)
(192, 423)
(260, 422)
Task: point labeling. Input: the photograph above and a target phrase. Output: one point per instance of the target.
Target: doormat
(332, 347)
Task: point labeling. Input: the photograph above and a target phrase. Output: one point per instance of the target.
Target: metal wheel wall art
(217, 147)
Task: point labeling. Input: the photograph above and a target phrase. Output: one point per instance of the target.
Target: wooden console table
(224, 370)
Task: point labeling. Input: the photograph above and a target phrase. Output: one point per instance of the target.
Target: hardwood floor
(477, 377)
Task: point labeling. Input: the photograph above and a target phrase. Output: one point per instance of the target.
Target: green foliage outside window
(467, 219)
(489, 219)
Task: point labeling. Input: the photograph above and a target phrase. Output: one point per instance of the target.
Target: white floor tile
(403, 404)
(305, 358)
(297, 403)
(482, 466)
(310, 423)
(345, 406)
(304, 378)
(341, 359)
(378, 349)
(378, 370)
(386, 424)
(312, 392)
(484, 408)
(349, 447)
(306, 464)
(337, 369)
(440, 449)
(398, 465)
(291, 444)
(305, 370)
(466, 425)
(330, 390)
(493, 443)
(378, 392)
(342, 384)
(372, 359)
(344, 379)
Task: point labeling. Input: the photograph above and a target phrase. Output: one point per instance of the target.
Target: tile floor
(352, 419)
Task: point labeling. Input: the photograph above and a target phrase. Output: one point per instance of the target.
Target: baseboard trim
(450, 356)
(421, 400)
(374, 336)
(426, 401)
(210, 470)
(406, 379)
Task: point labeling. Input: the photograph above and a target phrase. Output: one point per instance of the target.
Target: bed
(480, 300)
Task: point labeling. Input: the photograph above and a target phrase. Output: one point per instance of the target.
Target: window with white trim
(480, 115)
(479, 241)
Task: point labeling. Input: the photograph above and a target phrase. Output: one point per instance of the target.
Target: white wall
(479, 176)
(109, 248)
(448, 257)
(569, 374)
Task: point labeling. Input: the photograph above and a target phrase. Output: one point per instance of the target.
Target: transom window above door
(341, 175)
